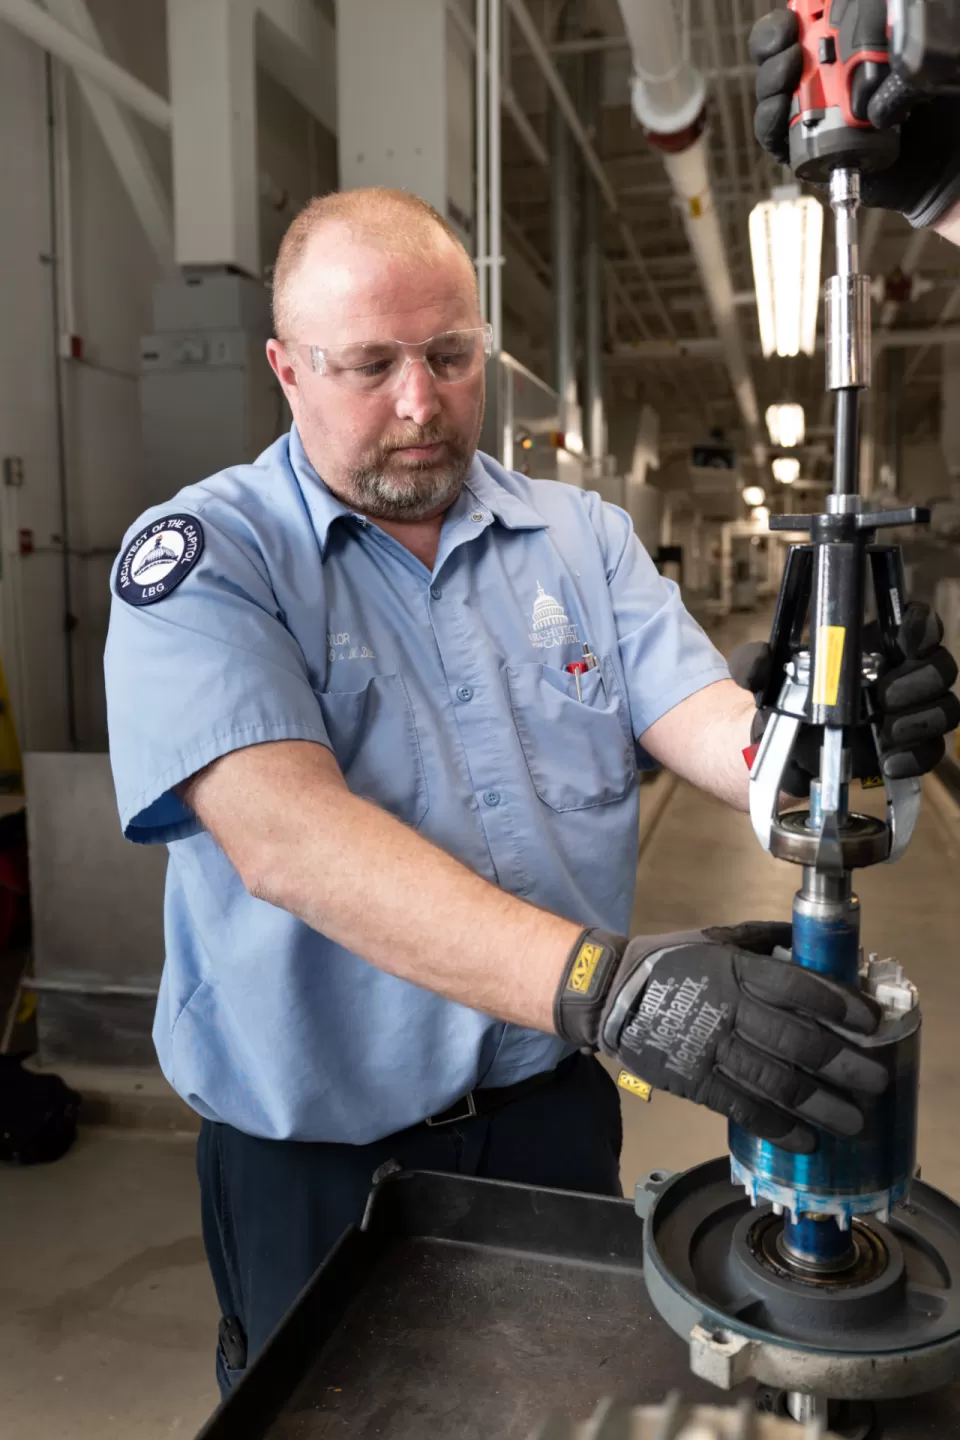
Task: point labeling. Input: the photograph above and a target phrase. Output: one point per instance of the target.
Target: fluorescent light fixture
(786, 425)
(754, 495)
(786, 469)
(786, 234)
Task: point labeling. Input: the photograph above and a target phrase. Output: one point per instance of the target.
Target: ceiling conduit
(669, 100)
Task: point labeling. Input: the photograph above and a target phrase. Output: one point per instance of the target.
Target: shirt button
(491, 797)
(465, 692)
(435, 591)
(476, 516)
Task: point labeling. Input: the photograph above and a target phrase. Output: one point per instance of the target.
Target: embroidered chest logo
(341, 646)
(551, 626)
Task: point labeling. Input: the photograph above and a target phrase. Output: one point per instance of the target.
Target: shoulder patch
(158, 558)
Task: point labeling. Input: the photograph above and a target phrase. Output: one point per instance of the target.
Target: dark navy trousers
(272, 1209)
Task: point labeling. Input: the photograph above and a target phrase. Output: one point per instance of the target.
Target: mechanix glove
(712, 1016)
(915, 705)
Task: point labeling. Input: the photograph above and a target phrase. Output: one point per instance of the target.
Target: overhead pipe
(669, 100)
(594, 423)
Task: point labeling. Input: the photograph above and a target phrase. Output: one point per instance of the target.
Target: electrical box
(208, 398)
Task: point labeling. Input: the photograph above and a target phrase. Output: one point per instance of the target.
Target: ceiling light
(785, 238)
(760, 512)
(786, 469)
(754, 495)
(786, 425)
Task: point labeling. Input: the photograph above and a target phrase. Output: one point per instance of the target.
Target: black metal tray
(473, 1309)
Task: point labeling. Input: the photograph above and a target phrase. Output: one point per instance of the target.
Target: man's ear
(282, 367)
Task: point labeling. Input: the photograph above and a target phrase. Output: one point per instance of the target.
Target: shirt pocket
(579, 752)
(373, 732)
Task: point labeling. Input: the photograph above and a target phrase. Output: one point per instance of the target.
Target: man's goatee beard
(422, 489)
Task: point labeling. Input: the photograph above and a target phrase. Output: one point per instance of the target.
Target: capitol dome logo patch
(158, 559)
(551, 625)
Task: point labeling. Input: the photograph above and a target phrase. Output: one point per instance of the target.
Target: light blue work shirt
(445, 699)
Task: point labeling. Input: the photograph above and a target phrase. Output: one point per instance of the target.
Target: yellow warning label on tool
(826, 680)
(583, 968)
(634, 1084)
(696, 207)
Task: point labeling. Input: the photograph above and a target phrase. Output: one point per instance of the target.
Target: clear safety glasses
(380, 366)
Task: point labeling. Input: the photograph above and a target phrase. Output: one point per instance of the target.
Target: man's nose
(416, 395)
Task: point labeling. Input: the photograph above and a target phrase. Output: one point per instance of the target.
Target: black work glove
(710, 1016)
(916, 705)
(924, 183)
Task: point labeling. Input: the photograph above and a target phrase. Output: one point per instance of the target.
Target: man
(402, 836)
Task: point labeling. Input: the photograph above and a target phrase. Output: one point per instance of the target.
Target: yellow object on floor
(11, 764)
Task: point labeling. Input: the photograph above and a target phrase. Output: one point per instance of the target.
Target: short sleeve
(666, 655)
(207, 668)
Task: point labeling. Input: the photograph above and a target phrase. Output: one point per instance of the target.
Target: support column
(213, 95)
(562, 213)
(405, 104)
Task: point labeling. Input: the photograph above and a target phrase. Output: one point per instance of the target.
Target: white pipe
(480, 40)
(668, 93)
(48, 33)
(494, 119)
(668, 98)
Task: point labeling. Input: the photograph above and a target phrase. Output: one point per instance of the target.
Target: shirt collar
(324, 507)
(509, 509)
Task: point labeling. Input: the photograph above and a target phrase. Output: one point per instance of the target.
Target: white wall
(27, 417)
(113, 272)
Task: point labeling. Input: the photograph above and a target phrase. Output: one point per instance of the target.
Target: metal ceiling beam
(297, 46)
(41, 27)
(123, 142)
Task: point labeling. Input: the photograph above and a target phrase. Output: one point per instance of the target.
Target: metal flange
(897, 1335)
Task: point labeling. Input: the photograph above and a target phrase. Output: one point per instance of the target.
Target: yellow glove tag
(634, 1084)
(585, 964)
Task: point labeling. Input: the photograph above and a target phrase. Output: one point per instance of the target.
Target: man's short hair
(378, 215)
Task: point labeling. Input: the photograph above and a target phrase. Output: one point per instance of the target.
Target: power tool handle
(839, 38)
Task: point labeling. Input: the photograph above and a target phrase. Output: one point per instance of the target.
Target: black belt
(484, 1102)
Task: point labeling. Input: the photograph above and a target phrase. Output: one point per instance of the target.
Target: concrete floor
(107, 1315)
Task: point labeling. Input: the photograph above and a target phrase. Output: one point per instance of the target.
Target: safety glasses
(380, 366)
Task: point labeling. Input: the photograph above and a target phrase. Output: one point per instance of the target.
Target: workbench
(473, 1309)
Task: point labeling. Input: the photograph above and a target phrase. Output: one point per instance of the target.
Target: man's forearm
(703, 738)
(300, 840)
(949, 226)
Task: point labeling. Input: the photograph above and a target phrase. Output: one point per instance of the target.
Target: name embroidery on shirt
(341, 647)
(551, 624)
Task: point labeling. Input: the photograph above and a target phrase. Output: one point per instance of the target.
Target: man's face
(403, 454)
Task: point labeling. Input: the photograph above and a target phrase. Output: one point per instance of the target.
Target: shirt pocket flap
(579, 752)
